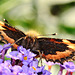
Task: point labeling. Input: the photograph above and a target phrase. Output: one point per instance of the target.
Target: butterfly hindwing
(57, 50)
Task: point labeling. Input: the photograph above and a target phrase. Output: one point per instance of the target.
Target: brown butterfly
(56, 50)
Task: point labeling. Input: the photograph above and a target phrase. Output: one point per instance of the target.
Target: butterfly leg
(40, 57)
(39, 54)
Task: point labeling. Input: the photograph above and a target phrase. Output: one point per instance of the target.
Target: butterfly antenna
(14, 42)
(5, 20)
(54, 34)
(17, 41)
(48, 34)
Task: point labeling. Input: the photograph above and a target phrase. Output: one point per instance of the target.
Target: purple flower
(6, 71)
(6, 46)
(1, 48)
(25, 62)
(1, 61)
(34, 66)
(5, 68)
(22, 74)
(31, 67)
(1, 68)
(25, 69)
(27, 56)
(16, 69)
(22, 50)
(38, 70)
(45, 72)
(26, 52)
(14, 55)
(69, 66)
(7, 64)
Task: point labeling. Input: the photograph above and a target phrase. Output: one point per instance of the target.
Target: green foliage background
(43, 16)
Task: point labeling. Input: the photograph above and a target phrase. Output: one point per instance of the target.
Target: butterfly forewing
(9, 33)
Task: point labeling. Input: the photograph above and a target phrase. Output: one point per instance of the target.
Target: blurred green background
(43, 16)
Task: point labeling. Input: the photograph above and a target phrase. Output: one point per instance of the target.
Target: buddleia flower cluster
(22, 62)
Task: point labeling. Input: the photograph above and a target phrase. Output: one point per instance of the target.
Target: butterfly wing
(10, 34)
(57, 50)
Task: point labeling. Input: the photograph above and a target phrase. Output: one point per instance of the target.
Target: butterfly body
(56, 50)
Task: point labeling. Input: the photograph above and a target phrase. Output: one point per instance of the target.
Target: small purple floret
(70, 66)
(22, 63)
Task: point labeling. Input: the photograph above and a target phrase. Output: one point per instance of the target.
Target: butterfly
(52, 49)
